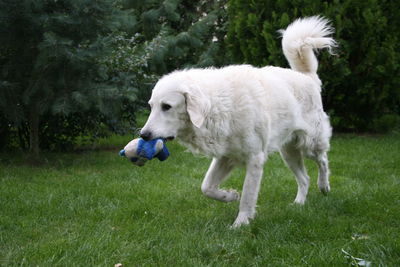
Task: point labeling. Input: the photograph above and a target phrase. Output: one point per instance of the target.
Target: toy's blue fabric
(147, 149)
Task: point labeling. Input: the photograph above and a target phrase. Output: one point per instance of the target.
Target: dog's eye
(165, 107)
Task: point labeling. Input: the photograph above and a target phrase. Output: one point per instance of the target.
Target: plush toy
(139, 150)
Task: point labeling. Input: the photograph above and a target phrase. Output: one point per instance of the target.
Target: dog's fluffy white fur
(238, 115)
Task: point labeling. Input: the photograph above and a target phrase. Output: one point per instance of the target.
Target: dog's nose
(146, 135)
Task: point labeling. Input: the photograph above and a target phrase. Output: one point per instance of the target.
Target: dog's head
(175, 105)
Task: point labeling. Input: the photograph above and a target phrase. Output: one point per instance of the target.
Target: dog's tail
(301, 38)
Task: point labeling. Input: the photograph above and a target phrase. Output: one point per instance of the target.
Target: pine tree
(52, 75)
(181, 33)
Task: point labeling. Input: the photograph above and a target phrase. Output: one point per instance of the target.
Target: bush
(386, 123)
(361, 83)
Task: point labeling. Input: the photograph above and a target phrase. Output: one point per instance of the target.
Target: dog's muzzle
(146, 135)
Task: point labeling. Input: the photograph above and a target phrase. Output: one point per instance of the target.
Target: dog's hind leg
(219, 169)
(294, 160)
(321, 159)
(319, 154)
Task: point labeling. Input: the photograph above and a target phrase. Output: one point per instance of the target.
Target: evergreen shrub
(361, 83)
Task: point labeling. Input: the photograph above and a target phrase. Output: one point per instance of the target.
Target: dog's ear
(197, 105)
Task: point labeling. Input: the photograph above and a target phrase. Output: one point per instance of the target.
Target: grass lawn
(96, 209)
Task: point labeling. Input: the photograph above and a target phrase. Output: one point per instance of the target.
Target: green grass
(96, 209)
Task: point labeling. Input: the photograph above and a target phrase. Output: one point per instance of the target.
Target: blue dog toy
(139, 150)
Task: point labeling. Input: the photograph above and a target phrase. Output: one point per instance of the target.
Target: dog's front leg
(251, 187)
(218, 171)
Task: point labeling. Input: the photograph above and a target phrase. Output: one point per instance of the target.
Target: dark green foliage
(71, 68)
(181, 33)
(53, 78)
(362, 83)
(65, 61)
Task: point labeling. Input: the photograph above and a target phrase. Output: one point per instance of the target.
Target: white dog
(238, 115)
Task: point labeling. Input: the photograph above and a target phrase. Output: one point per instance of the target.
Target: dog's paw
(299, 201)
(242, 219)
(231, 195)
(324, 188)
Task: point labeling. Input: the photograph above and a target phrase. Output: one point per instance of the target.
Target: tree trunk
(34, 130)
